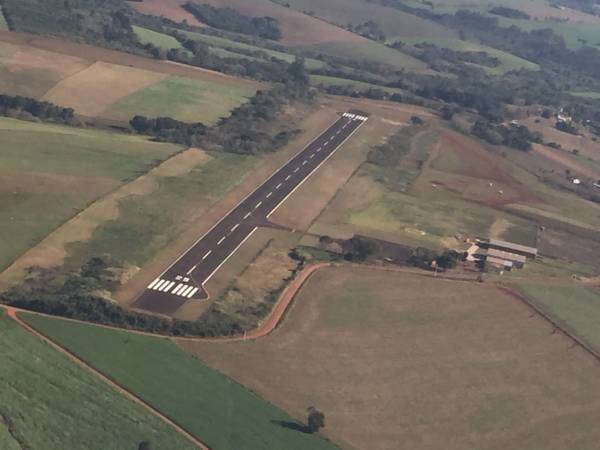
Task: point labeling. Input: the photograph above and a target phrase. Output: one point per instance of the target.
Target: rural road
(185, 278)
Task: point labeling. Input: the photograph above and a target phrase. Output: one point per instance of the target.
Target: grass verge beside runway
(212, 407)
(441, 364)
(47, 402)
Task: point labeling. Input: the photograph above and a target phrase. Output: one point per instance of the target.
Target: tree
(316, 420)
(145, 445)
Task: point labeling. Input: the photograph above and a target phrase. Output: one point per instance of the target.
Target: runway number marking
(221, 240)
(207, 255)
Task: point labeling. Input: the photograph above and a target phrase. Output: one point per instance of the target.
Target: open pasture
(441, 364)
(214, 408)
(160, 40)
(48, 402)
(48, 173)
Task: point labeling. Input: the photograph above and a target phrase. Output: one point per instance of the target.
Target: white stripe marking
(191, 294)
(151, 285)
(168, 286)
(229, 256)
(235, 227)
(207, 254)
(221, 240)
(258, 205)
(279, 185)
(296, 169)
(191, 270)
(288, 177)
(178, 288)
(247, 215)
(312, 156)
(160, 284)
(269, 194)
(305, 162)
(186, 291)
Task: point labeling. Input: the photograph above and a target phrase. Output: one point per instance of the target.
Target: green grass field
(586, 94)
(53, 404)
(160, 40)
(183, 99)
(49, 172)
(575, 307)
(508, 61)
(212, 407)
(325, 80)
(147, 223)
(223, 43)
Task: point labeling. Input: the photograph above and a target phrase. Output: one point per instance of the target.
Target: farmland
(160, 40)
(446, 348)
(212, 407)
(49, 402)
(50, 172)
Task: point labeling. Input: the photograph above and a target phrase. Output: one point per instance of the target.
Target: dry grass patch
(93, 90)
(430, 363)
(170, 9)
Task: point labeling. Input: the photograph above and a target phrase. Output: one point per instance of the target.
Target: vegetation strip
(12, 313)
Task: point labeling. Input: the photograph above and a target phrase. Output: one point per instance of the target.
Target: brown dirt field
(170, 9)
(93, 90)
(52, 250)
(430, 363)
(88, 52)
(297, 28)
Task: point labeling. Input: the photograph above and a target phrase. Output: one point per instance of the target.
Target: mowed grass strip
(212, 407)
(37, 147)
(575, 307)
(160, 40)
(401, 361)
(53, 404)
(183, 99)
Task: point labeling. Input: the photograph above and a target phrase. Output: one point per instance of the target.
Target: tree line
(25, 107)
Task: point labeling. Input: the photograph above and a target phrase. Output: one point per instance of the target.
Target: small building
(511, 247)
(502, 255)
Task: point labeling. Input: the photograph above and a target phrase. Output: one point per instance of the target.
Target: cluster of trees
(428, 259)
(231, 20)
(369, 29)
(24, 107)
(453, 60)
(515, 136)
(510, 13)
(167, 129)
(566, 127)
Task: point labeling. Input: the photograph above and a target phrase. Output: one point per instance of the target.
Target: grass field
(508, 61)
(586, 94)
(325, 80)
(575, 307)
(53, 404)
(441, 364)
(50, 172)
(183, 99)
(212, 407)
(160, 40)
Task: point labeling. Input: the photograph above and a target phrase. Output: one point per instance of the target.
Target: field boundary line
(550, 319)
(12, 314)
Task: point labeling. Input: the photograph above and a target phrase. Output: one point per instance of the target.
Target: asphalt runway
(186, 277)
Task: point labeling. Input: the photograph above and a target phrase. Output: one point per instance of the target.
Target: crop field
(161, 40)
(170, 9)
(183, 99)
(49, 172)
(508, 61)
(48, 402)
(393, 22)
(575, 307)
(472, 364)
(215, 409)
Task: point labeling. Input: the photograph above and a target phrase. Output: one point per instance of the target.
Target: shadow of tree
(291, 425)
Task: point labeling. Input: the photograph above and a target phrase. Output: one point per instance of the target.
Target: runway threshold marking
(207, 255)
(221, 240)
(151, 285)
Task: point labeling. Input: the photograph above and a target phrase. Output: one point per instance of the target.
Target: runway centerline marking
(288, 177)
(191, 270)
(247, 215)
(296, 169)
(269, 194)
(258, 205)
(235, 227)
(221, 240)
(279, 185)
(305, 162)
(207, 255)
(312, 156)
